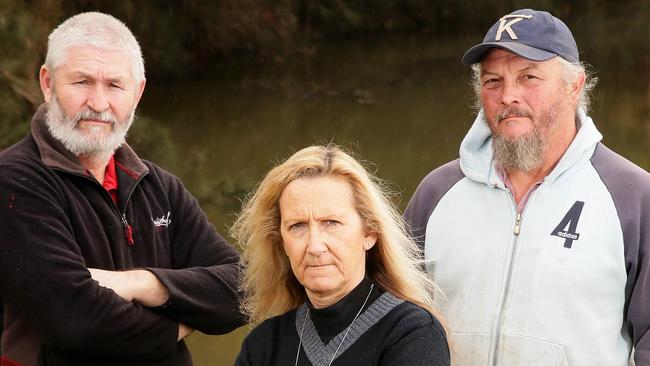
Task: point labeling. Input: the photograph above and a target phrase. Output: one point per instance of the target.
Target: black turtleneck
(388, 332)
(335, 318)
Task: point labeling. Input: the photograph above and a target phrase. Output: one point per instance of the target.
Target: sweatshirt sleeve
(629, 187)
(204, 280)
(426, 197)
(43, 278)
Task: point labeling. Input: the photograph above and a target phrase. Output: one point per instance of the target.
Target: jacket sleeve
(43, 278)
(204, 280)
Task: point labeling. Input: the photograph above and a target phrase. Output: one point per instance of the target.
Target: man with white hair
(105, 258)
(539, 235)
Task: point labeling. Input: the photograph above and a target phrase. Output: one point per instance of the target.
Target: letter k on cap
(503, 26)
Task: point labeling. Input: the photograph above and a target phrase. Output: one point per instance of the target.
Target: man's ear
(46, 79)
(140, 91)
(576, 87)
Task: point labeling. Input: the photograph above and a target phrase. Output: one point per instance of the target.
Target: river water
(403, 104)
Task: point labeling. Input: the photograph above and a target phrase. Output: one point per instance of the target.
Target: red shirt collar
(110, 178)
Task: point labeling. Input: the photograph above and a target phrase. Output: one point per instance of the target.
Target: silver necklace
(304, 321)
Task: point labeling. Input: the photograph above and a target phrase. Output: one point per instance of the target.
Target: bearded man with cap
(105, 259)
(538, 234)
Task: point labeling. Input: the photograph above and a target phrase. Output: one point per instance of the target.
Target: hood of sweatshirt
(477, 160)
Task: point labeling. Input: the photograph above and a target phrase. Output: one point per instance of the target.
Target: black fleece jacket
(56, 221)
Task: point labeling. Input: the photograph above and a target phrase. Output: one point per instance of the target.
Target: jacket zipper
(128, 229)
(496, 334)
(517, 224)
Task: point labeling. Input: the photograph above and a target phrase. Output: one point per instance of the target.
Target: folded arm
(203, 281)
(43, 277)
(139, 286)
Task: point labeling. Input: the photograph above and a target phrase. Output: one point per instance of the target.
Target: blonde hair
(269, 284)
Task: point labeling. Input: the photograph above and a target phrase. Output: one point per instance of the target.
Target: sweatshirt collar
(476, 158)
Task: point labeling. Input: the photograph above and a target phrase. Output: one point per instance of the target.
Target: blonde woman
(330, 271)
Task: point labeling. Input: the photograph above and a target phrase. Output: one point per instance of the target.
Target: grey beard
(524, 153)
(64, 129)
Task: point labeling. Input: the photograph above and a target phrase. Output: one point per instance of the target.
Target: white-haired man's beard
(91, 142)
(524, 152)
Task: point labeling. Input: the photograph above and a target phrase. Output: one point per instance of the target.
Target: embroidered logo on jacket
(571, 220)
(162, 220)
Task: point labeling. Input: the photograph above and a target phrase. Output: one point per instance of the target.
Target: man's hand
(137, 285)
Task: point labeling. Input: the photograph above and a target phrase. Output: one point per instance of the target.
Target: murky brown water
(402, 104)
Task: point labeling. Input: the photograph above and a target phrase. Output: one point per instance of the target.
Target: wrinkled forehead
(93, 60)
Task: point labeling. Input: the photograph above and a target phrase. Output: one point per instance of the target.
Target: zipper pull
(517, 224)
(128, 231)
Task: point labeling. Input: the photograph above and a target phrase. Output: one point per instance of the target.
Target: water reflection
(401, 103)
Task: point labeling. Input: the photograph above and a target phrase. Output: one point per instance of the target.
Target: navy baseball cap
(532, 34)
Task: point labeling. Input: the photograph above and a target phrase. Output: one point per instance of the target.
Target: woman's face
(324, 237)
